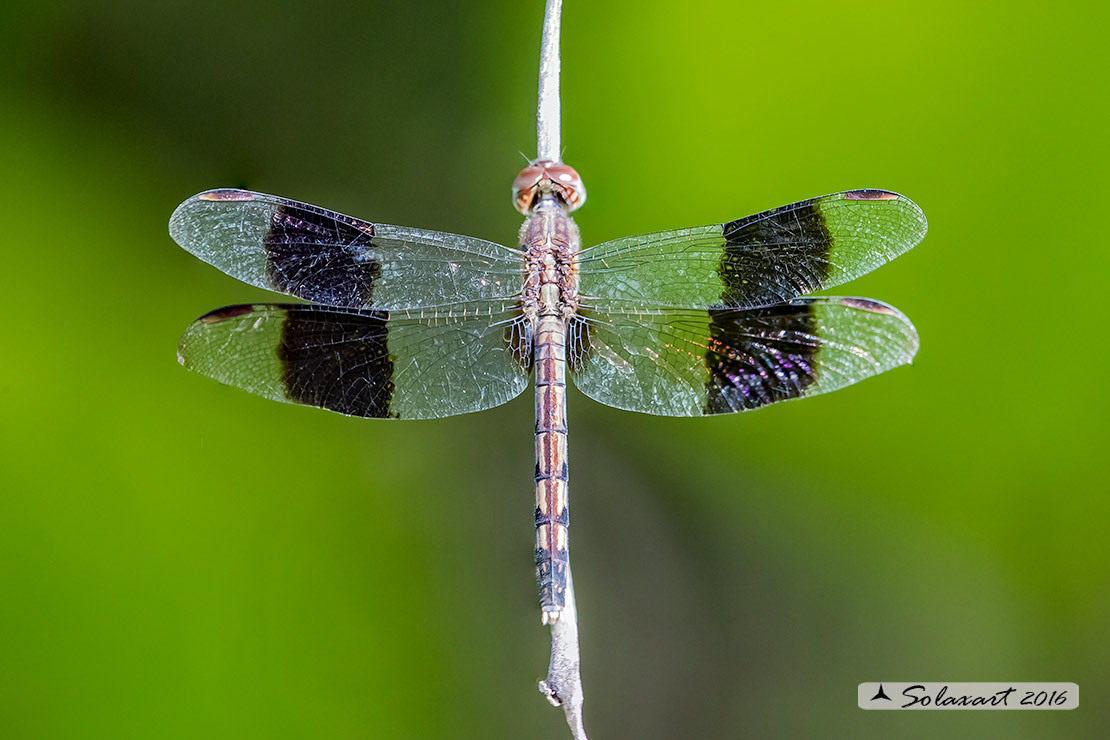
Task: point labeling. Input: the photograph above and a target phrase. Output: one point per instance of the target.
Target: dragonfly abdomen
(552, 513)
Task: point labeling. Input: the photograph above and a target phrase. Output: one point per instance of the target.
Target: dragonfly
(406, 323)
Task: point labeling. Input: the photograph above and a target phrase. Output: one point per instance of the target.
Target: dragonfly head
(543, 177)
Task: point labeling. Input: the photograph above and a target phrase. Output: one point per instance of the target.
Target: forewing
(326, 257)
(760, 260)
(680, 362)
(365, 363)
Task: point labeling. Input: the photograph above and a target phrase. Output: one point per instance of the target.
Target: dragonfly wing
(326, 257)
(760, 260)
(365, 363)
(682, 362)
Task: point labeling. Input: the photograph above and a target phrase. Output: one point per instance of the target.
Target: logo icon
(881, 695)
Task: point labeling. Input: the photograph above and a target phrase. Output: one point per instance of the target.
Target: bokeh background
(179, 559)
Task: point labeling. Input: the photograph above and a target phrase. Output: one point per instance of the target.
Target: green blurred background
(179, 559)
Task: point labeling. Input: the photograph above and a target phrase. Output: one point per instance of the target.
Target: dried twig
(563, 685)
(548, 125)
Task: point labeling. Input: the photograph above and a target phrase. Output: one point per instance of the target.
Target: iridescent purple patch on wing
(759, 356)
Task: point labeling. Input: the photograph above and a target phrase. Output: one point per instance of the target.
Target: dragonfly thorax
(549, 239)
(545, 177)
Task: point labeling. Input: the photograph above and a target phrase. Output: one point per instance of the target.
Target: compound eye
(524, 188)
(568, 184)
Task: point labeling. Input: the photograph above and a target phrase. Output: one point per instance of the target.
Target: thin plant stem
(563, 685)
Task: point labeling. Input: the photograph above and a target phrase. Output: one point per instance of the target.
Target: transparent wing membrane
(326, 257)
(682, 362)
(768, 258)
(420, 365)
(421, 324)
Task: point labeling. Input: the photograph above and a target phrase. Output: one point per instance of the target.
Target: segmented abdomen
(552, 515)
